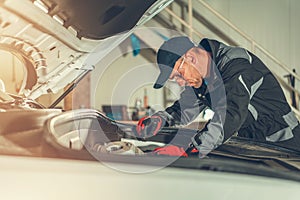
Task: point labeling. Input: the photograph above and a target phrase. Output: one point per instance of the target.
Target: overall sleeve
(186, 109)
(231, 110)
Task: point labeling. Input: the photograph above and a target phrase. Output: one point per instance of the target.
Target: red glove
(171, 150)
(149, 126)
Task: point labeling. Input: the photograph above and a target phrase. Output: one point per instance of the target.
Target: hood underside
(98, 19)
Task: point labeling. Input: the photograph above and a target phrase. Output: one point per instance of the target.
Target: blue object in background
(135, 43)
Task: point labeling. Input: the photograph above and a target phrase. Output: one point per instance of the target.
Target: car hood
(54, 38)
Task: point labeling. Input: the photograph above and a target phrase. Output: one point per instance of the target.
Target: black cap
(167, 55)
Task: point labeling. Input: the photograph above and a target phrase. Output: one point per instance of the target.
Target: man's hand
(149, 126)
(171, 150)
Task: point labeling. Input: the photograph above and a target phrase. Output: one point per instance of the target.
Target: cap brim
(157, 86)
(163, 76)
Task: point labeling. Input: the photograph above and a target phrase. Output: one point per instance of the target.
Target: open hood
(54, 38)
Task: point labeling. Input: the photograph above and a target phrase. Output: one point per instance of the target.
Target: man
(246, 98)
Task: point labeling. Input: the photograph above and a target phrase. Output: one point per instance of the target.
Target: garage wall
(121, 78)
(274, 24)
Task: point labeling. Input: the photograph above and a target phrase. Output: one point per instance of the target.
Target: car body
(47, 153)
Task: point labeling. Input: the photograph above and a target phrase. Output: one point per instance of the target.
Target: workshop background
(124, 78)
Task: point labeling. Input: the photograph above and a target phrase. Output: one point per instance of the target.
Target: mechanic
(246, 98)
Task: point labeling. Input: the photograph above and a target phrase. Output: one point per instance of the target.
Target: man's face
(188, 71)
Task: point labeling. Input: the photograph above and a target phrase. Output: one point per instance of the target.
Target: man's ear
(191, 55)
